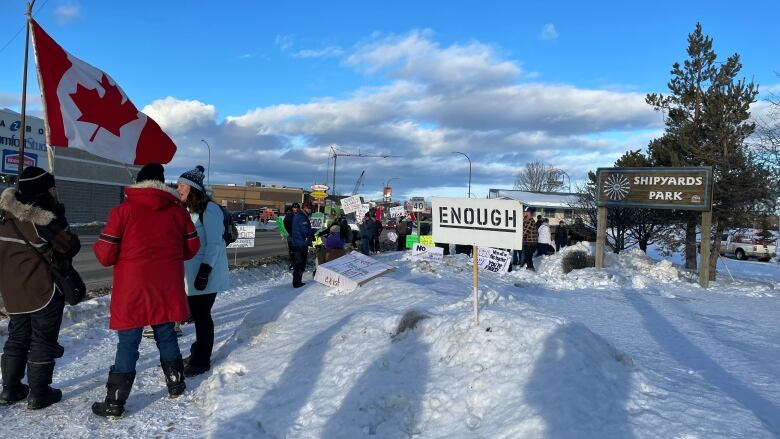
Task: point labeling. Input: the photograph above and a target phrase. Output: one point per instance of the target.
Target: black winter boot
(118, 389)
(174, 377)
(13, 372)
(41, 394)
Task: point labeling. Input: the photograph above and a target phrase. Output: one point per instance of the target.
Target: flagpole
(23, 128)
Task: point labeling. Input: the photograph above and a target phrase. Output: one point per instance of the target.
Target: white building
(556, 206)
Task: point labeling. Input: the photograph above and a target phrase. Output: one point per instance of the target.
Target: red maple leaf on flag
(107, 112)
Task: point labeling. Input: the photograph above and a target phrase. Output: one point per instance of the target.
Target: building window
(548, 213)
(568, 213)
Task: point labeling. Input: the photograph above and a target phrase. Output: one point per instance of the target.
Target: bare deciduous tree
(539, 177)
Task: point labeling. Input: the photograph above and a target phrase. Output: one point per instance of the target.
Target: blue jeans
(130, 339)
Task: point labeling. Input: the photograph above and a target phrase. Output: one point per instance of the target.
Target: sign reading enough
(481, 222)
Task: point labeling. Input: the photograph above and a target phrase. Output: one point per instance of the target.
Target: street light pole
(387, 183)
(467, 158)
(208, 173)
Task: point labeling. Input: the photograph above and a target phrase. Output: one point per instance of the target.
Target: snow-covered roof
(537, 199)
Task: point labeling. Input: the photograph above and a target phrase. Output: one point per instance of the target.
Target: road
(267, 243)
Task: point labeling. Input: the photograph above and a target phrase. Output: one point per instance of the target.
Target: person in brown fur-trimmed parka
(33, 302)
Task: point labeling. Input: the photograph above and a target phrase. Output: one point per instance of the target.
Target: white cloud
(246, 56)
(67, 12)
(179, 116)
(327, 52)
(464, 97)
(284, 42)
(548, 32)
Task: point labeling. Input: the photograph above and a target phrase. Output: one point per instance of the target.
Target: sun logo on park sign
(616, 187)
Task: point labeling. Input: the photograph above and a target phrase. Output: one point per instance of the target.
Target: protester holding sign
(302, 236)
(34, 307)
(207, 272)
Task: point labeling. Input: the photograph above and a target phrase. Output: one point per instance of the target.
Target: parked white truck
(745, 244)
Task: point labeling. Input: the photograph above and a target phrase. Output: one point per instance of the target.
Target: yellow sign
(318, 195)
(427, 240)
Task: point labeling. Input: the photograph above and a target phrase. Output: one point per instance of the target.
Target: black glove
(202, 279)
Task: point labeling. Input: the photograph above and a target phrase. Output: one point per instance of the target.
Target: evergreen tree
(707, 124)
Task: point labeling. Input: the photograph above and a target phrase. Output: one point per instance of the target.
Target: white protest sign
(397, 211)
(350, 271)
(427, 253)
(392, 236)
(246, 237)
(484, 222)
(351, 204)
(361, 213)
(493, 259)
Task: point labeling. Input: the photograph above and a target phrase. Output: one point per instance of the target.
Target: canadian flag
(84, 108)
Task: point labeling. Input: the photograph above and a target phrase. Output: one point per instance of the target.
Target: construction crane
(335, 154)
(359, 182)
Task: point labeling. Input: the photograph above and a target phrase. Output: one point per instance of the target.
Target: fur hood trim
(154, 184)
(24, 212)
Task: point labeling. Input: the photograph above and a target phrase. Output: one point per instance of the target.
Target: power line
(5, 46)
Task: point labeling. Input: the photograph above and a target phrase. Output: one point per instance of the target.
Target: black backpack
(230, 233)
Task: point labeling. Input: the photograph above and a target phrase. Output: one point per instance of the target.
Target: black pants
(33, 336)
(401, 243)
(299, 265)
(200, 309)
(291, 251)
(529, 248)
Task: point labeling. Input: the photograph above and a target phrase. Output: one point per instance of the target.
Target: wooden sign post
(656, 188)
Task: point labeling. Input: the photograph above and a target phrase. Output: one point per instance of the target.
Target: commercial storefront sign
(11, 160)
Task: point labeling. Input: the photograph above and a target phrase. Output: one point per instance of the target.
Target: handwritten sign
(360, 214)
(351, 204)
(427, 240)
(350, 271)
(427, 253)
(392, 236)
(246, 237)
(493, 259)
(411, 240)
(397, 211)
(317, 220)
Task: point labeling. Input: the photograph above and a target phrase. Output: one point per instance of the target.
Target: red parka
(147, 239)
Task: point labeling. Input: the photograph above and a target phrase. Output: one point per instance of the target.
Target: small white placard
(246, 237)
(427, 253)
(360, 214)
(397, 211)
(493, 259)
(350, 271)
(392, 236)
(351, 204)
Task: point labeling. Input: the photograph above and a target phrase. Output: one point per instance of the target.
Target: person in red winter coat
(147, 239)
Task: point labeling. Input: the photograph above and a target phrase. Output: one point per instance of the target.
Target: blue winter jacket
(212, 252)
(368, 228)
(302, 233)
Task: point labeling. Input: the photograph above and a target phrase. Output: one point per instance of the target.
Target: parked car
(746, 243)
(236, 216)
(249, 215)
(391, 223)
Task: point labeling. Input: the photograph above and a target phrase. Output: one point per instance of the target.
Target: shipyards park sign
(655, 188)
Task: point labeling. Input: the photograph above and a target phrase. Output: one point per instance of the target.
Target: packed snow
(636, 349)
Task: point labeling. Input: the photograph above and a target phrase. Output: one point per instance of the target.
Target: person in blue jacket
(366, 234)
(302, 235)
(206, 273)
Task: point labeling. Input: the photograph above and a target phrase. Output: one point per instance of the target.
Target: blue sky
(272, 84)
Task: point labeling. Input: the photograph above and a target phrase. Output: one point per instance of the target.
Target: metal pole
(467, 158)
(208, 173)
(23, 128)
(475, 263)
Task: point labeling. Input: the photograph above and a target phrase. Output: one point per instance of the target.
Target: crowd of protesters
(168, 249)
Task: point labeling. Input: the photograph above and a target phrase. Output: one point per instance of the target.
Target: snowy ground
(633, 350)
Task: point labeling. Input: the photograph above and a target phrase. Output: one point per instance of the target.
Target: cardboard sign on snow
(427, 253)
(397, 211)
(351, 204)
(350, 271)
(493, 259)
